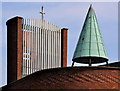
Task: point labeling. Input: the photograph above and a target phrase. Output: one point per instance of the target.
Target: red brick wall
(64, 47)
(14, 49)
(70, 78)
(19, 48)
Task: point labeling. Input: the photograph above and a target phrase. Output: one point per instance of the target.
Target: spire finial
(90, 5)
(42, 12)
(42, 15)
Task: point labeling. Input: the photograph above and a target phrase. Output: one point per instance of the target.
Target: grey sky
(68, 15)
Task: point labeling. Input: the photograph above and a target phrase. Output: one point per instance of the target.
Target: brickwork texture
(14, 49)
(70, 78)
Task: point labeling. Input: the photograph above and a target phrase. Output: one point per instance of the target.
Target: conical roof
(90, 44)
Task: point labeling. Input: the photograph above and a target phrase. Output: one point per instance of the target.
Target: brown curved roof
(70, 78)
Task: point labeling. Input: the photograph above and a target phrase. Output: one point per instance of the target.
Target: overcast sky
(65, 15)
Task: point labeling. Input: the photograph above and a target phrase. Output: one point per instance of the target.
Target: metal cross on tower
(42, 15)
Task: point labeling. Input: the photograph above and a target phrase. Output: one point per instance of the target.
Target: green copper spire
(90, 48)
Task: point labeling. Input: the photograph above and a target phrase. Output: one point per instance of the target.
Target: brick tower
(15, 48)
